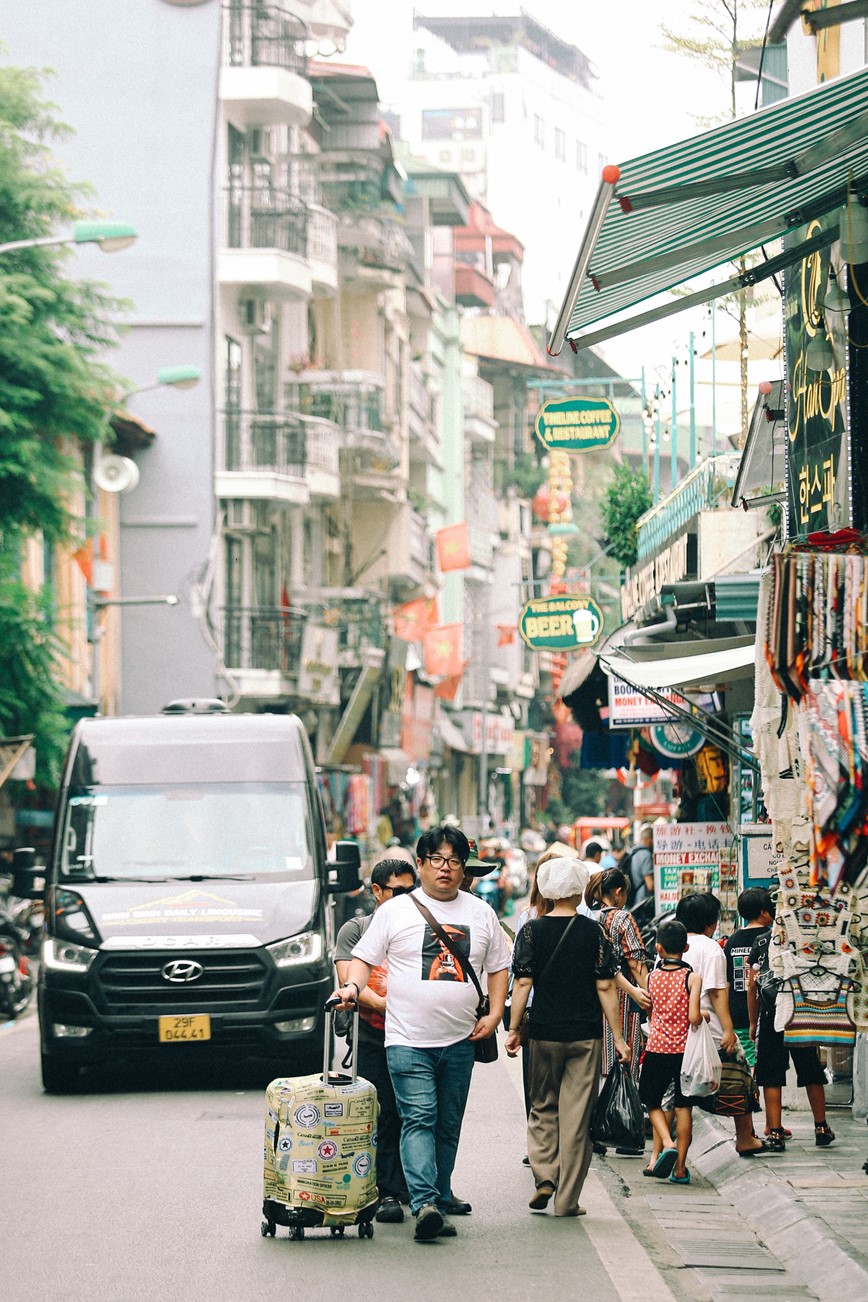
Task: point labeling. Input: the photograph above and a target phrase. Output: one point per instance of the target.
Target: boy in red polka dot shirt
(675, 991)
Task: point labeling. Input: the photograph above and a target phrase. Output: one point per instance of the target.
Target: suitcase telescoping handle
(331, 1006)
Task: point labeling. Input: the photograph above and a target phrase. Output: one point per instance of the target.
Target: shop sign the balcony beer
(560, 623)
(577, 424)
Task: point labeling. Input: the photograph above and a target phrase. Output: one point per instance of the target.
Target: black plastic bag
(617, 1117)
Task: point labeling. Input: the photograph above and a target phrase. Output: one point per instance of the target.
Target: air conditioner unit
(254, 315)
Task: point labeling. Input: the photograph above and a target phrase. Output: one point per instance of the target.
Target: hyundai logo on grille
(182, 969)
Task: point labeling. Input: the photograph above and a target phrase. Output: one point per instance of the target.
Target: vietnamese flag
(413, 620)
(83, 558)
(453, 547)
(448, 689)
(443, 656)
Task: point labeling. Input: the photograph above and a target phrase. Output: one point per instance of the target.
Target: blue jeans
(431, 1088)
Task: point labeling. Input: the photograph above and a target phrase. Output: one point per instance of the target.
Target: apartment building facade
(290, 500)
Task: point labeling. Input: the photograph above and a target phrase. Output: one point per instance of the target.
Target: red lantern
(542, 503)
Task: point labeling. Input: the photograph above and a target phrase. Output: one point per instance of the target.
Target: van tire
(58, 1077)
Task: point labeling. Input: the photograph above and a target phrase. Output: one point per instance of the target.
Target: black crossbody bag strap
(444, 939)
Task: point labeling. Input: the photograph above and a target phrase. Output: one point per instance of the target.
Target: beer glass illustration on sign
(587, 625)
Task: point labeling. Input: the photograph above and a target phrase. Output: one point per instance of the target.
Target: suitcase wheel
(266, 1228)
(296, 1231)
(366, 1230)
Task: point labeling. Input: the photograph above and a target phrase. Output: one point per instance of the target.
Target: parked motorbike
(29, 916)
(16, 979)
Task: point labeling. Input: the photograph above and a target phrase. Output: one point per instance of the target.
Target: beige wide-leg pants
(563, 1090)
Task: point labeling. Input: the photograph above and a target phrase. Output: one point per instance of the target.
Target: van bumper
(74, 1029)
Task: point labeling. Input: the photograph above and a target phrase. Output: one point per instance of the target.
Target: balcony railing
(697, 492)
(322, 444)
(274, 442)
(263, 637)
(420, 541)
(358, 620)
(417, 392)
(264, 36)
(351, 400)
(269, 637)
(260, 218)
(322, 235)
(478, 397)
(481, 545)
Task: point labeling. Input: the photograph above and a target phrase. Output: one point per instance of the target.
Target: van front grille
(137, 981)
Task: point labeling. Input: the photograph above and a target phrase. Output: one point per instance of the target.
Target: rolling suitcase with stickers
(320, 1143)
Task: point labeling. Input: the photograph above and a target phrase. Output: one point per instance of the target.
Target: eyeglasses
(400, 890)
(437, 861)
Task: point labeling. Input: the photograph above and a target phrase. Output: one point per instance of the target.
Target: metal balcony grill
(264, 36)
(269, 441)
(262, 218)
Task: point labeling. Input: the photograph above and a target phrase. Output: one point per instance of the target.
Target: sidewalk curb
(804, 1243)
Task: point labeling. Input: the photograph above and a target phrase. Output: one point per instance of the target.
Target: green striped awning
(663, 218)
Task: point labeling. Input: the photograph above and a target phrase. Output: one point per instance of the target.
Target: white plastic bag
(860, 1077)
(701, 1066)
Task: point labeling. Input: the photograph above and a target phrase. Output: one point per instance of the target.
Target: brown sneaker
(542, 1197)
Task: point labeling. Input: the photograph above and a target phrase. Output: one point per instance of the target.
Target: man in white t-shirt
(431, 1022)
(699, 913)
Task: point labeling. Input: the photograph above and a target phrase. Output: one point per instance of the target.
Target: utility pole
(658, 434)
(483, 748)
(674, 427)
(692, 404)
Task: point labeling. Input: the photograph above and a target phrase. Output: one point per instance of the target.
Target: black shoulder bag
(484, 1050)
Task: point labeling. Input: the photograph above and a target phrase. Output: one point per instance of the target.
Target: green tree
(626, 498)
(54, 389)
(584, 791)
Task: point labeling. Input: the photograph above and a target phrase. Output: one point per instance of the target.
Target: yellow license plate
(183, 1030)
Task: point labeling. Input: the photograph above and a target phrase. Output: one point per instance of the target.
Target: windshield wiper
(211, 877)
(155, 881)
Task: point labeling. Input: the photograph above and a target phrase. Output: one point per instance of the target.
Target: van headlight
(306, 947)
(64, 956)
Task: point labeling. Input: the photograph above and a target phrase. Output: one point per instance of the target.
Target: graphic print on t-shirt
(438, 964)
(739, 969)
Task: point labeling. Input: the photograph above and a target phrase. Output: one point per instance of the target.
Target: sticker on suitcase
(319, 1142)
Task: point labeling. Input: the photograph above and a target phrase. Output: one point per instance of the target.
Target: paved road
(150, 1189)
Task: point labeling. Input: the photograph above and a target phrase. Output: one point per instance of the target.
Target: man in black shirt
(756, 907)
(568, 961)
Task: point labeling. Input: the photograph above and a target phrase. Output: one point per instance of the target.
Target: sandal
(777, 1140)
(787, 1134)
(763, 1151)
(824, 1135)
(664, 1164)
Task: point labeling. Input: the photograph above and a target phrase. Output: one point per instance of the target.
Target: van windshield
(248, 829)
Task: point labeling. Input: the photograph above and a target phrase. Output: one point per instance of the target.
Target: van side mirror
(344, 874)
(28, 878)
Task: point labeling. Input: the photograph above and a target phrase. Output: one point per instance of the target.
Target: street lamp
(116, 474)
(110, 236)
